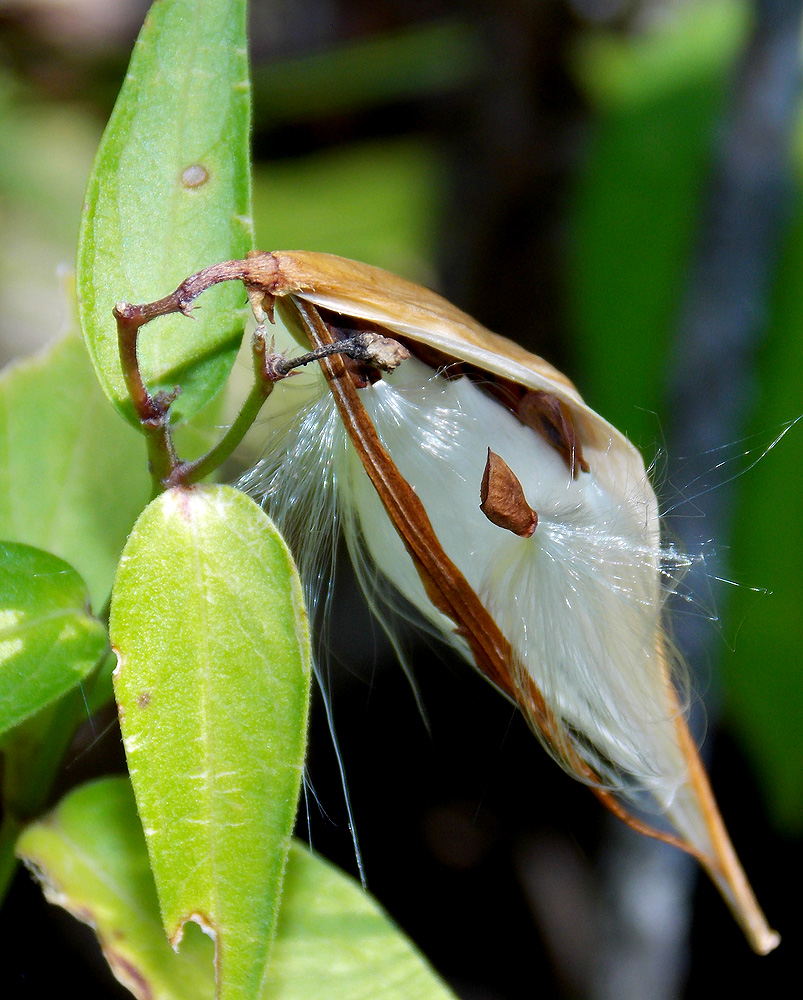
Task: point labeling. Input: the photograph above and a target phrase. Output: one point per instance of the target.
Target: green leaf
(73, 477)
(374, 201)
(90, 856)
(333, 941)
(764, 682)
(49, 640)
(212, 640)
(169, 194)
(635, 204)
(372, 72)
(32, 754)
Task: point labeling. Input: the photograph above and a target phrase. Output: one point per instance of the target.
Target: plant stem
(153, 412)
(10, 829)
(185, 473)
(259, 274)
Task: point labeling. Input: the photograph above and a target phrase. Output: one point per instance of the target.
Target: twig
(260, 278)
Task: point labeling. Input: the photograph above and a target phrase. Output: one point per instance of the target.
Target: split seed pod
(516, 520)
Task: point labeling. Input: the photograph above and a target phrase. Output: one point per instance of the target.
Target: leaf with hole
(212, 684)
(333, 941)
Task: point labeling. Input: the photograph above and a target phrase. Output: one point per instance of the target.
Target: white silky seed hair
(579, 600)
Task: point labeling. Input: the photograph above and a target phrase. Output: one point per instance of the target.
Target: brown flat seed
(552, 418)
(502, 498)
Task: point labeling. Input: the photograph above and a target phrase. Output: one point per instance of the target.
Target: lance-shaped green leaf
(90, 857)
(212, 640)
(170, 193)
(48, 637)
(73, 477)
(333, 941)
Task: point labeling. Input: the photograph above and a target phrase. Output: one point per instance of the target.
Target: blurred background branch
(712, 389)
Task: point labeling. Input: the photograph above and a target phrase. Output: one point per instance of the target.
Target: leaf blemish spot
(194, 176)
(144, 699)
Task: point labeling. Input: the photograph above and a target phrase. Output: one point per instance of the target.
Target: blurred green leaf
(333, 942)
(40, 207)
(49, 640)
(73, 477)
(377, 202)
(633, 222)
(170, 193)
(368, 73)
(687, 47)
(48, 188)
(764, 682)
(90, 857)
(634, 208)
(209, 626)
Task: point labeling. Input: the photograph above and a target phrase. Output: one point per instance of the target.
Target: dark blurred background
(617, 184)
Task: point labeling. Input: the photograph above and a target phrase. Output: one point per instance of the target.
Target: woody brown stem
(166, 467)
(263, 279)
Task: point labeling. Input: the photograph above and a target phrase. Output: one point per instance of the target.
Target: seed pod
(564, 617)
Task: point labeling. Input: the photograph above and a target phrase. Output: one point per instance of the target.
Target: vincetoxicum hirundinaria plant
(206, 620)
(469, 473)
(511, 515)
